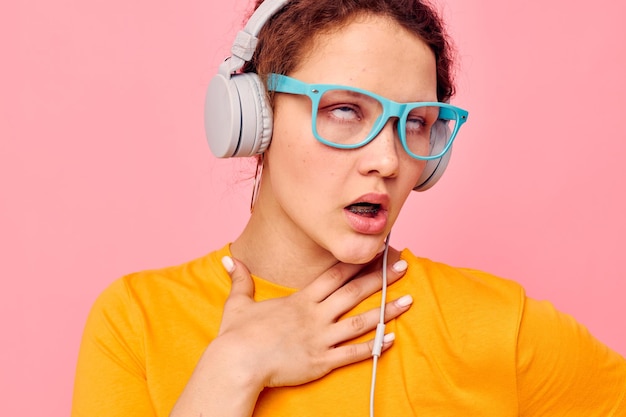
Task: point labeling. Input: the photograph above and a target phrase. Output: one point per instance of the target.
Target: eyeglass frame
(281, 83)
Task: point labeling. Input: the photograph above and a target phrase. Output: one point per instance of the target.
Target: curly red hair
(289, 32)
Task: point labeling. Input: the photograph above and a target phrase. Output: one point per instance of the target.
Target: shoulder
(465, 288)
(202, 272)
(555, 363)
(559, 362)
(143, 295)
(464, 312)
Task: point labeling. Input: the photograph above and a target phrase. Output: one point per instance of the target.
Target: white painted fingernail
(407, 300)
(228, 263)
(389, 337)
(400, 266)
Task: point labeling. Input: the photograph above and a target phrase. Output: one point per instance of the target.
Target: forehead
(374, 53)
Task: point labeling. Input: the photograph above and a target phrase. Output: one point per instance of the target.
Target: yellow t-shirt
(471, 345)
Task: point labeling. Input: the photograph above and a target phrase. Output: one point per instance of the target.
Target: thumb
(242, 283)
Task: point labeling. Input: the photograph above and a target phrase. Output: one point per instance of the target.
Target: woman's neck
(270, 252)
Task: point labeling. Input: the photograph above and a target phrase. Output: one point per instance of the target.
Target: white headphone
(238, 118)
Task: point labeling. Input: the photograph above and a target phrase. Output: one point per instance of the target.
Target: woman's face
(346, 201)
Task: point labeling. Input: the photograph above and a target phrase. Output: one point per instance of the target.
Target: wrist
(221, 385)
(232, 363)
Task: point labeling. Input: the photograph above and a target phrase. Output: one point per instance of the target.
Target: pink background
(104, 168)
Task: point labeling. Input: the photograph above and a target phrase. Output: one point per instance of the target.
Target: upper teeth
(372, 208)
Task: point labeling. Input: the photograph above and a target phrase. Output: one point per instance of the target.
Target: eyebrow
(356, 94)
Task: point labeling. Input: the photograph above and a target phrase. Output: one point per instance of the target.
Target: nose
(380, 156)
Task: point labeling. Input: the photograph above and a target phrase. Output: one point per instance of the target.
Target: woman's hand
(285, 341)
(299, 338)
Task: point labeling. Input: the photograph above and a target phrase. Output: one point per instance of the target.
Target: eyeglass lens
(347, 117)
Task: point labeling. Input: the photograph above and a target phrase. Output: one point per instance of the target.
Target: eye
(420, 120)
(344, 106)
(345, 112)
(415, 123)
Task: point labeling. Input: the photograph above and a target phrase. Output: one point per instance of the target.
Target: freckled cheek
(413, 167)
(303, 158)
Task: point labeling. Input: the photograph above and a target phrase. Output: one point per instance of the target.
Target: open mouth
(364, 209)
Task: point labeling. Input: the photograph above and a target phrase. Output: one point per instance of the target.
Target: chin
(361, 254)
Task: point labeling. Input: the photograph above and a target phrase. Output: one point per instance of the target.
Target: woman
(206, 338)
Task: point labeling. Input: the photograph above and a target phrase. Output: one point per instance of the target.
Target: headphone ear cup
(256, 115)
(222, 116)
(237, 116)
(434, 169)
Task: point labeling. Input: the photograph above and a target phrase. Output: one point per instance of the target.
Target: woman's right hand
(285, 341)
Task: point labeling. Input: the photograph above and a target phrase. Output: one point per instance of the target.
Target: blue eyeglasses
(348, 117)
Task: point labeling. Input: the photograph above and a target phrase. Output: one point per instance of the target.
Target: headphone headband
(246, 40)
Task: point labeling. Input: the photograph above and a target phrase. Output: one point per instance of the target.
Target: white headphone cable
(380, 328)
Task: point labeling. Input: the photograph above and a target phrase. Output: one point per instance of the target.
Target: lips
(368, 213)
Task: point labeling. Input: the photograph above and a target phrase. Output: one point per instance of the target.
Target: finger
(349, 354)
(339, 274)
(395, 308)
(242, 285)
(332, 279)
(352, 293)
(354, 326)
(396, 268)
